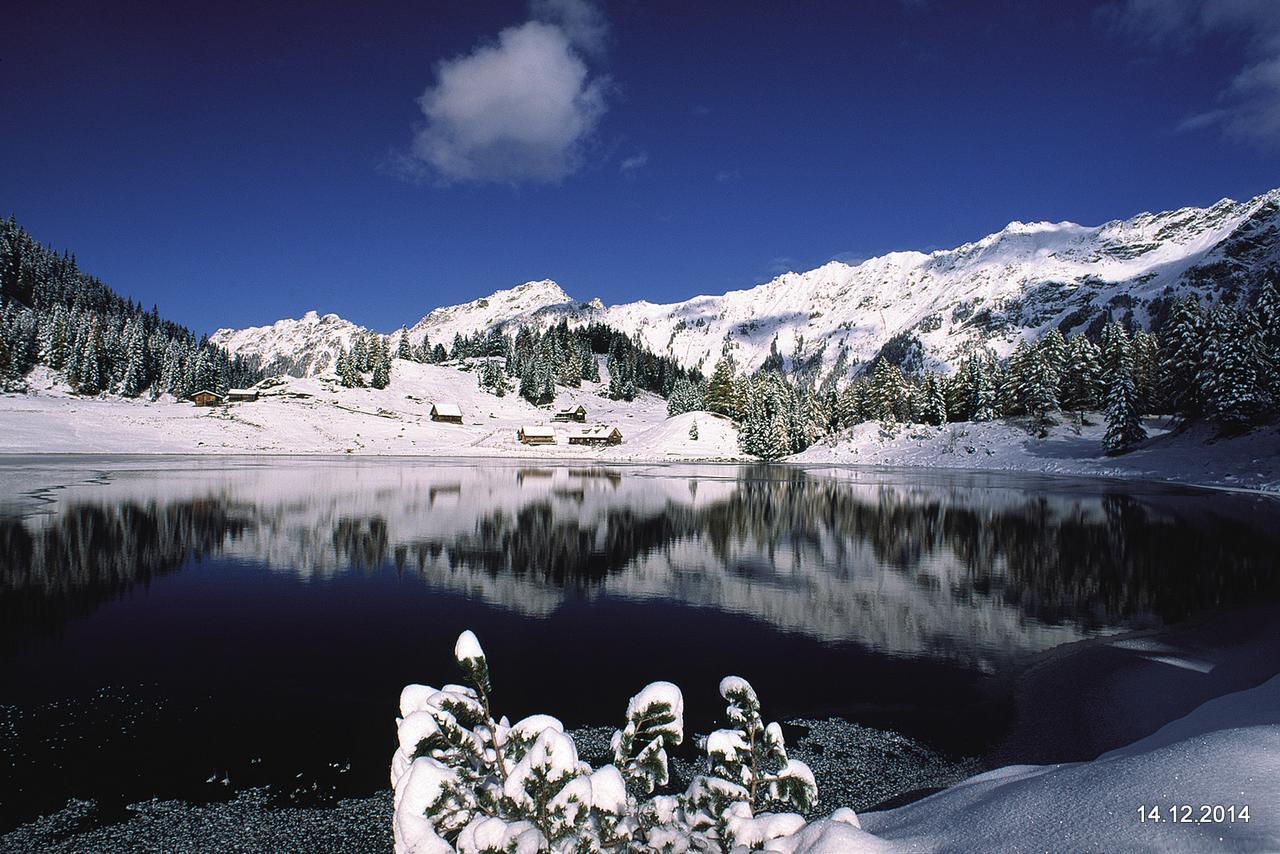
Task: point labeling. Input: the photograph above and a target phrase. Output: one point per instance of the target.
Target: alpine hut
(242, 395)
(600, 434)
(536, 435)
(204, 397)
(576, 413)
(449, 412)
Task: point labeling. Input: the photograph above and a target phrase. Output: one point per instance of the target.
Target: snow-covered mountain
(1012, 284)
(304, 347)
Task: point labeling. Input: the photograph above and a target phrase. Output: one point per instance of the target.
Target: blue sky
(239, 163)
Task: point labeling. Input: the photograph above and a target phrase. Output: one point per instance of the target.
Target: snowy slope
(992, 292)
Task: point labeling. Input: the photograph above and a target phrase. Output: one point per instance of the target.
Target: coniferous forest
(52, 313)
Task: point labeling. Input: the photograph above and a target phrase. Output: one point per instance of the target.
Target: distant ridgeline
(53, 314)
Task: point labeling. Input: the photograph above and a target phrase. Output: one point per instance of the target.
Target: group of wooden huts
(205, 397)
(544, 434)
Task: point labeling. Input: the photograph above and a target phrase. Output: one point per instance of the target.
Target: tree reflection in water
(939, 566)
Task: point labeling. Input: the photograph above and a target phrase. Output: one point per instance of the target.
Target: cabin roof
(599, 430)
(443, 408)
(242, 391)
(205, 391)
(578, 408)
(537, 430)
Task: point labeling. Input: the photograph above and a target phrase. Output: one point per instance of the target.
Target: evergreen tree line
(370, 353)
(53, 314)
(534, 363)
(1220, 362)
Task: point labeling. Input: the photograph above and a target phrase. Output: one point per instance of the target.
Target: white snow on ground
(1225, 753)
(1193, 456)
(316, 416)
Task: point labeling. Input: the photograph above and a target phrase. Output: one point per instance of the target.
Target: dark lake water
(186, 628)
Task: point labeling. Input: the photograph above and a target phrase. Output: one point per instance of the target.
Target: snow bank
(1226, 753)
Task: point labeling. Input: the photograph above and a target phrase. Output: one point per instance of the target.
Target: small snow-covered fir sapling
(693, 431)
(465, 781)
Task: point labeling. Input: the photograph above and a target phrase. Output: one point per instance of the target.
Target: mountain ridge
(991, 292)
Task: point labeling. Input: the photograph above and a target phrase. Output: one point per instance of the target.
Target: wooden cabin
(600, 434)
(204, 397)
(242, 395)
(536, 435)
(577, 413)
(449, 412)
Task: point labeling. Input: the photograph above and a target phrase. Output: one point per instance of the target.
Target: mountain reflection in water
(970, 569)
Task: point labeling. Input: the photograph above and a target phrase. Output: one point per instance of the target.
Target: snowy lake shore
(317, 417)
(1189, 716)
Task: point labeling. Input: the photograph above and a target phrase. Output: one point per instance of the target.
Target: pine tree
(90, 372)
(1230, 381)
(1082, 383)
(933, 404)
(1181, 358)
(135, 378)
(381, 371)
(685, 397)
(1039, 394)
(1146, 372)
(1266, 318)
(1124, 426)
(404, 350)
(722, 394)
(888, 389)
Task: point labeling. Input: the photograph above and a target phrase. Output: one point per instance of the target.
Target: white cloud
(519, 109)
(1249, 107)
(629, 165)
(581, 21)
(724, 176)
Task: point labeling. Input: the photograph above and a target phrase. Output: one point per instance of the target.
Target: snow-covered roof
(599, 430)
(205, 391)
(574, 408)
(537, 430)
(242, 391)
(446, 409)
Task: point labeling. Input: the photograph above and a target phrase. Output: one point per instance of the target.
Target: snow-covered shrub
(465, 781)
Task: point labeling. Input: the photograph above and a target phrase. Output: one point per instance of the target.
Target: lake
(187, 627)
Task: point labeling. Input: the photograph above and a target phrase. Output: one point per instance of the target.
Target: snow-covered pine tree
(693, 431)
(358, 357)
(90, 371)
(1146, 372)
(933, 405)
(1124, 425)
(1082, 380)
(722, 394)
(381, 370)
(1266, 314)
(685, 396)
(135, 374)
(1039, 393)
(1022, 369)
(888, 389)
(985, 388)
(753, 755)
(1053, 347)
(404, 350)
(1181, 355)
(1230, 381)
